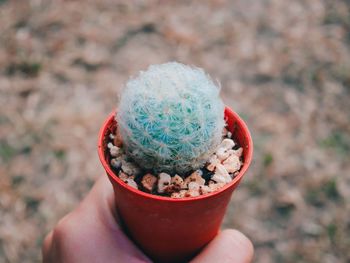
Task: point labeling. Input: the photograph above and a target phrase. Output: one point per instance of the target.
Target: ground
(284, 66)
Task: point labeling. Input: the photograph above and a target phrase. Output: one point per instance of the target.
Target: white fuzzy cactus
(170, 118)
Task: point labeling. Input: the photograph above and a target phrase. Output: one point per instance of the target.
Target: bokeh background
(284, 66)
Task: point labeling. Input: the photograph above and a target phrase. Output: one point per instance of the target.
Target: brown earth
(284, 66)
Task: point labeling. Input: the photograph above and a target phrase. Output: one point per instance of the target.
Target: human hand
(91, 233)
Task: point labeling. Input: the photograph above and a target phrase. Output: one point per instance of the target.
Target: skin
(91, 234)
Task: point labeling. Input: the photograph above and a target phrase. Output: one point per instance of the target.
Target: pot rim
(114, 177)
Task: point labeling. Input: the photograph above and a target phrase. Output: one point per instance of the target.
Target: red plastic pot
(174, 230)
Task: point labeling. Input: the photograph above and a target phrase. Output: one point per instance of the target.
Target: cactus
(170, 118)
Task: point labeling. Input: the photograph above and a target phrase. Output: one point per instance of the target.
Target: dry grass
(283, 65)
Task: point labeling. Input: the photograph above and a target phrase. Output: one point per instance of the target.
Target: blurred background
(284, 66)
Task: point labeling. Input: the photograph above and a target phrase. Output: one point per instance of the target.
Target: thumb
(228, 246)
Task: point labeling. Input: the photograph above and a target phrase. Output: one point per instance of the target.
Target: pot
(168, 229)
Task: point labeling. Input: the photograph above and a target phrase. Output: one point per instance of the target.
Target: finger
(92, 224)
(47, 244)
(229, 246)
(100, 201)
(97, 212)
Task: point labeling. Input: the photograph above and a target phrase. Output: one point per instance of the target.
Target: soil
(171, 189)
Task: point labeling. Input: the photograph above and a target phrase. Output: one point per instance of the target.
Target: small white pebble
(232, 163)
(131, 182)
(218, 178)
(115, 151)
(123, 176)
(116, 163)
(220, 169)
(177, 180)
(111, 136)
(192, 193)
(193, 186)
(110, 145)
(164, 181)
(229, 134)
(216, 186)
(225, 149)
(227, 144)
(196, 176)
(220, 153)
(221, 175)
(204, 189)
(224, 154)
(213, 161)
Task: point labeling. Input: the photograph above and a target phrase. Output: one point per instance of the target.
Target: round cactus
(170, 118)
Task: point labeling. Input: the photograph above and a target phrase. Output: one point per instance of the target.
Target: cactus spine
(171, 118)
